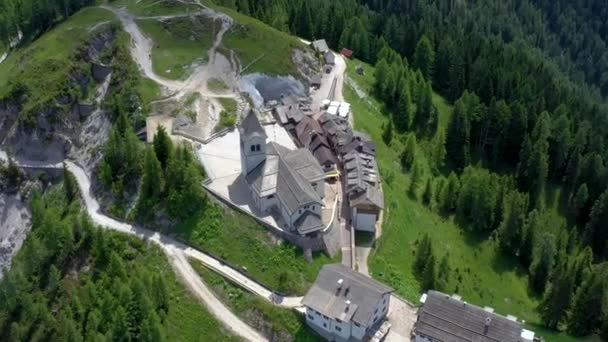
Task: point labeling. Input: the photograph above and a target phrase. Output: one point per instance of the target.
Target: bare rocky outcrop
(14, 225)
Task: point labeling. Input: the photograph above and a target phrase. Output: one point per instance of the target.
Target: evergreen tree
(151, 186)
(424, 57)
(439, 152)
(416, 179)
(387, 133)
(423, 252)
(305, 26)
(403, 116)
(556, 301)
(458, 137)
(534, 163)
(586, 311)
(428, 192)
(381, 76)
(408, 156)
(451, 193)
(511, 229)
(443, 274)
(70, 185)
(579, 200)
(543, 260)
(560, 143)
(163, 147)
(596, 233)
(428, 274)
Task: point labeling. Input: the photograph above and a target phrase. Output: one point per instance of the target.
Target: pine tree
(451, 193)
(70, 185)
(439, 151)
(428, 274)
(560, 142)
(423, 252)
(443, 274)
(556, 301)
(428, 192)
(543, 261)
(458, 136)
(163, 147)
(381, 75)
(305, 26)
(408, 156)
(387, 133)
(586, 311)
(403, 116)
(416, 179)
(151, 186)
(596, 234)
(511, 229)
(579, 201)
(424, 57)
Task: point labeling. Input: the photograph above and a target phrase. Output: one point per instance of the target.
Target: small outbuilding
(330, 58)
(320, 46)
(346, 52)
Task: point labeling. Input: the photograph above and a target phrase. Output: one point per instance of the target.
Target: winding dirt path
(178, 254)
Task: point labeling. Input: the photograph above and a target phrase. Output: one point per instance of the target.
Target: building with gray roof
(320, 46)
(444, 318)
(344, 305)
(288, 183)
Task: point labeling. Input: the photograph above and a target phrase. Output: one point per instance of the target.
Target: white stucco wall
(251, 159)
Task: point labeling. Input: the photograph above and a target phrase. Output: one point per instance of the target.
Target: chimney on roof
(347, 306)
(487, 325)
(340, 281)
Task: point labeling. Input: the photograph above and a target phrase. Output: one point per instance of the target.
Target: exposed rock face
(14, 225)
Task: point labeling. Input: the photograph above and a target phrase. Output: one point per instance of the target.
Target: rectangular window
(252, 148)
(375, 311)
(324, 325)
(311, 317)
(338, 328)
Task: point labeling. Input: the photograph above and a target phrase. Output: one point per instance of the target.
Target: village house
(344, 305)
(363, 190)
(287, 183)
(310, 135)
(320, 46)
(330, 58)
(444, 318)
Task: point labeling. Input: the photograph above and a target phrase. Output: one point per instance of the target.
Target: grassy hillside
(259, 46)
(179, 43)
(149, 8)
(243, 242)
(480, 274)
(278, 323)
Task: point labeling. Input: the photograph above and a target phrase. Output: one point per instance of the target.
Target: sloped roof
(445, 318)
(329, 298)
(275, 176)
(250, 126)
(320, 45)
(304, 129)
(303, 162)
(330, 58)
(308, 222)
(370, 197)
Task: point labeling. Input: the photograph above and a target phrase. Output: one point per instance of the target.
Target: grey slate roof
(330, 58)
(308, 222)
(320, 45)
(305, 128)
(276, 176)
(302, 161)
(444, 318)
(328, 298)
(289, 114)
(251, 126)
(370, 197)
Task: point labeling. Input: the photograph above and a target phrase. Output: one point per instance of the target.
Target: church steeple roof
(250, 126)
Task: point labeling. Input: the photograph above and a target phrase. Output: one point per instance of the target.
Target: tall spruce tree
(556, 300)
(586, 311)
(424, 57)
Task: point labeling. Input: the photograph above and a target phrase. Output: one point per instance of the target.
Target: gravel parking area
(402, 317)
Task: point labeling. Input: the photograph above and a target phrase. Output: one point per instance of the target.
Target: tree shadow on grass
(501, 263)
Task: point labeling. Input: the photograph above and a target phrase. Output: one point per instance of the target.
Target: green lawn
(229, 104)
(253, 40)
(241, 241)
(179, 43)
(480, 274)
(273, 321)
(156, 7)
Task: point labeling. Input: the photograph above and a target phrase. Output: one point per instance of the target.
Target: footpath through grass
(254, 41)
(479, 273)
(276, 323)
(245, 244)
(179, 43)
